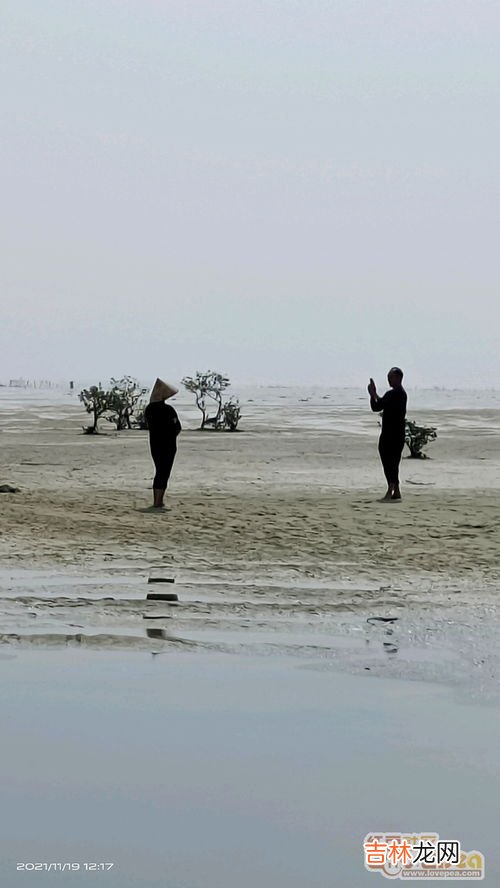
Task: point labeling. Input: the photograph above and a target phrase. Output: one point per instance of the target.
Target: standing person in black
(392, 438)
(164, 426)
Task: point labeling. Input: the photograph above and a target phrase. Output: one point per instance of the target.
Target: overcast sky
(284, 190)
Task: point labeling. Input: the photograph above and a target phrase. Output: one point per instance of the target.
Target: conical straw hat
(162, 390)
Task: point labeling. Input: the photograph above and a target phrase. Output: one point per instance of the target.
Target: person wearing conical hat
(164, 427)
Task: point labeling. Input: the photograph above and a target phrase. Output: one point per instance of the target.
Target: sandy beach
(274, 536)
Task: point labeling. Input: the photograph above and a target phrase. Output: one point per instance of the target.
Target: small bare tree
(139, 420)
(416, 437)
(124, 396)
(97, 402)
(208, 387)
(231, 414)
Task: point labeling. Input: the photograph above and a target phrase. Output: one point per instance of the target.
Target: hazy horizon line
(61, 382)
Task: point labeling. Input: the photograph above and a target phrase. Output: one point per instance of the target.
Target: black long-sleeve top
(393, 405)
(163, 424)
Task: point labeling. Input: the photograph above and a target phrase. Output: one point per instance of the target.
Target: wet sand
(274, 536)
(210, 771)
(254, 731)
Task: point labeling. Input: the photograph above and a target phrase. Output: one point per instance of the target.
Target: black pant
(163, 459)
(390, 450)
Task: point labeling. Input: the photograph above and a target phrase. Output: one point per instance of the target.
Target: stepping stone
(162, 596)
(382, 619)
(161, 580)
(156, 617)
(155, 633)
